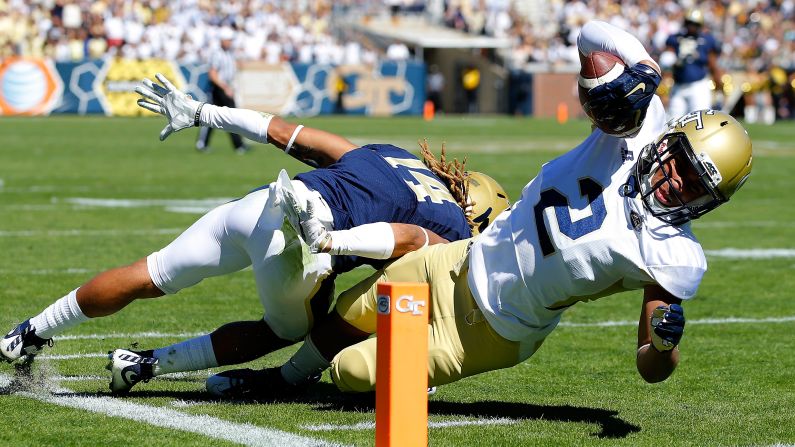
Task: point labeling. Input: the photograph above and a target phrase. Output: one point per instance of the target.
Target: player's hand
(181, 110)
(315, 234)
(668, 324)
(630, 92)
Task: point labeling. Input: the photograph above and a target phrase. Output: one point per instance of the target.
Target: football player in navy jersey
(696, 55)
(374, 202)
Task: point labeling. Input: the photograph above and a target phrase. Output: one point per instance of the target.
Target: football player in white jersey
(610, 215)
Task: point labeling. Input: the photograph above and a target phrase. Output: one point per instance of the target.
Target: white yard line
(211, 427)
(752, 253)
(175, 205)
(63, 233)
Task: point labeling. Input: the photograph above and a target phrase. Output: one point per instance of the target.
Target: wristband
(427, 238)
(196, 117)
(292, 138)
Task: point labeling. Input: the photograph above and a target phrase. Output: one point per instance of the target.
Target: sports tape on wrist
(374, 241)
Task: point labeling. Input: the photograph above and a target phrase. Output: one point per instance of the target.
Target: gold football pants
(460, 341)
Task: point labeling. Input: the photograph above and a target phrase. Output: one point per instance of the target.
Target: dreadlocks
(453, 174)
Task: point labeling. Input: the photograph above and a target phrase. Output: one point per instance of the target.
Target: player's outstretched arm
(314, 147)
(662, 322)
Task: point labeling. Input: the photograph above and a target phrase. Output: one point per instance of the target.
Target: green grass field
(735, 385)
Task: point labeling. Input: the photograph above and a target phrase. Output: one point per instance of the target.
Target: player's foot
(22, 341)
(242, 150)
(128, 368)
(252, 384)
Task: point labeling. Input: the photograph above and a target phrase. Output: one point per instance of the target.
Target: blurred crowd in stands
(758, 37)
(182, 30)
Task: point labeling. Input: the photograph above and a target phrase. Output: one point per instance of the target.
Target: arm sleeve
(602, 36)
(249, 123)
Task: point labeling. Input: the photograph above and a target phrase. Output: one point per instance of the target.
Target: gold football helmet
(485, 199)
(712, 159)
(694, 16)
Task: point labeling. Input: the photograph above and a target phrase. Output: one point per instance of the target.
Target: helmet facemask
(675, 184)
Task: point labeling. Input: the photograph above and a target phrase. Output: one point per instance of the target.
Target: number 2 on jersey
(589, 188)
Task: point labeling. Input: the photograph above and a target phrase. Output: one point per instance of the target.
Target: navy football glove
(619, 107)
(668, 324)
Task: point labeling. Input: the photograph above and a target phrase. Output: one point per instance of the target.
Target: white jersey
(574, 236)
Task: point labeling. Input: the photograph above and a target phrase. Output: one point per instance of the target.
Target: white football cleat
(22, 341)
(128, 368)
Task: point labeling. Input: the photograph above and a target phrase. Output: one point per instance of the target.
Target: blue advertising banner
(36, 86)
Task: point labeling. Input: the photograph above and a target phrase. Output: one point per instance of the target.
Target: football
(597, 68)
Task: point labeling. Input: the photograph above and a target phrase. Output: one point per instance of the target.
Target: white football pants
(251, 231)
(688, 97)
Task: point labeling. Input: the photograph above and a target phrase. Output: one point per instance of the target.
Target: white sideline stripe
(443, 424)
(245, 434)
(729, 320)
(753, 253)
(127, 335)
(58, 233)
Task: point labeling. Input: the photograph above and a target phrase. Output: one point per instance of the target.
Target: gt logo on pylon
(407, 304)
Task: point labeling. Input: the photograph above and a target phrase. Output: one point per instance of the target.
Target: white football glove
(316, 236)
(181, 110)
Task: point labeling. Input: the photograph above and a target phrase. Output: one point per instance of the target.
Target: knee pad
(353, 370)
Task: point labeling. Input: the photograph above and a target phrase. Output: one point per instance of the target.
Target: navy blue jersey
(384, 183)
(691, 55)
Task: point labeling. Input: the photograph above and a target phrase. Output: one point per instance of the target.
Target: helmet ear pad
(486, 199)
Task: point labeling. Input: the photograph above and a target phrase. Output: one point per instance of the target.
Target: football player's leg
(701, 95)
(677, 105)
(212, 246)
(352, 321)
(460, 341)
(201, 251)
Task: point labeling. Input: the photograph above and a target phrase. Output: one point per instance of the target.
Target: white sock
(305, 363)
(769, 115)
(252, 125)
(190, 355)
(750, 114)
(59, 316)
